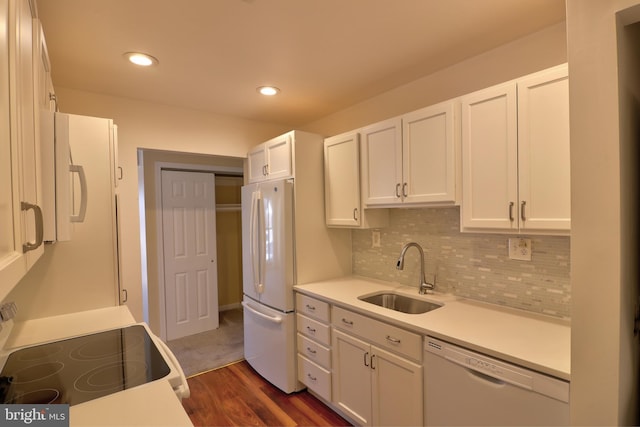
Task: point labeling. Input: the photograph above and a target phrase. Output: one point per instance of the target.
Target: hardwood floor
(236, 395)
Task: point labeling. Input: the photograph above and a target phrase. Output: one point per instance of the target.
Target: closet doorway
(229, 179)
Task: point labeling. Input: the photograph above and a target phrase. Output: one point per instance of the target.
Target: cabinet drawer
(314, 377)
(379, 333)
(313, 329)
(314, 351)
(312, 307)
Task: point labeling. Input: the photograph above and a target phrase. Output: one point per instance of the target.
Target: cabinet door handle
(355, 214)
(372, 357)
(398, 190)
(404, 190)
(347, 322)
(365, 358)
(393, 340)
(37, 212)
(522, 204)
(511, 211)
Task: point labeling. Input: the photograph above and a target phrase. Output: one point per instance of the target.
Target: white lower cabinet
(373, 386)
(313, 343)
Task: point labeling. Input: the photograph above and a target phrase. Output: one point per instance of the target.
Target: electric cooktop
(80, 369)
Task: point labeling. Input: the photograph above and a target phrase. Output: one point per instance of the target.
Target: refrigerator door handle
(83, 193)
(256, 242)
(274, 319)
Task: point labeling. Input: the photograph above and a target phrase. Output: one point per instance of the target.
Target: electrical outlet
(520, 249)
(375, 238)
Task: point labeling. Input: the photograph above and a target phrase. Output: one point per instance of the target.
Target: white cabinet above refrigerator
(66, 191)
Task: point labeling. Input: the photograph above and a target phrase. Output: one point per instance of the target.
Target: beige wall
(604, 361)
(154, 126)
(526, 55)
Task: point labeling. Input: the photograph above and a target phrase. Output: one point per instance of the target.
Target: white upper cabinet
(21, 193)
(544, 184)
(343, 202)
(26, 127)
(271, 159)
(382, 163)
(411, 160)
(515, 155)
(12, 260)
(428, 155)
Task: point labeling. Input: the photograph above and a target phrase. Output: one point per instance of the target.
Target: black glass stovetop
(79, 369)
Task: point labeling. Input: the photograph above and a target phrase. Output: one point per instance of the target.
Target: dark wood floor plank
(236, 395)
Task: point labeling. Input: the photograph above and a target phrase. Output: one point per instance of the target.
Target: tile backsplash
(470, 265)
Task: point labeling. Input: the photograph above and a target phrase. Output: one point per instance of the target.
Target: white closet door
(191, 282)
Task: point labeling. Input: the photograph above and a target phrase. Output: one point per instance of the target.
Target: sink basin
(401, 303)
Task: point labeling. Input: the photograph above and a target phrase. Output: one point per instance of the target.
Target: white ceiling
(325, 55)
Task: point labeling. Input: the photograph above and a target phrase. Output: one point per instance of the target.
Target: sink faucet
(424, 287)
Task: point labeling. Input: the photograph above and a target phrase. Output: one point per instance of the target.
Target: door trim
(187, 167)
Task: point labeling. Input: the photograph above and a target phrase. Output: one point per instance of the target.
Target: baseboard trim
(228, 307)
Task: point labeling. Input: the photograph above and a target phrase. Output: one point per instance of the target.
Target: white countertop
(534, 341)
(54, 328)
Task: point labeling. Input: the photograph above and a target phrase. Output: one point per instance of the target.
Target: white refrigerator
(268, 258)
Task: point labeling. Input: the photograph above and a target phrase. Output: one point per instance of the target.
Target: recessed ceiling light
(268, 90)
(141, 59)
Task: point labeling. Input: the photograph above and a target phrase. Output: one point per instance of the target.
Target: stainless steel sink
(401, 303)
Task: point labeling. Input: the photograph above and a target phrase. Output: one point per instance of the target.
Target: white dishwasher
(463, 387)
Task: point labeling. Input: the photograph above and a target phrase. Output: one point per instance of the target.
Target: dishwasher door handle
(485, 377)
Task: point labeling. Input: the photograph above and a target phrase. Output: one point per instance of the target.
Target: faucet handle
(428, 284)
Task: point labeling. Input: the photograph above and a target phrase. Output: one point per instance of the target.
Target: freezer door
(268, 243)
(269, 344)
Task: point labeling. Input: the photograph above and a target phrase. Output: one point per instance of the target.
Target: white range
(110, 369)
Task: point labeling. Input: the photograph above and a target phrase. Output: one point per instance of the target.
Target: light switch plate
(520, 249)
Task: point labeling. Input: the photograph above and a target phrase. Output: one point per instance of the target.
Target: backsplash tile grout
(469, 265)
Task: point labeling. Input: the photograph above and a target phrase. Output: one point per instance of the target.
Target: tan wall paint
(535, 52)
(229, 240)
(604, 352)
(154, 126)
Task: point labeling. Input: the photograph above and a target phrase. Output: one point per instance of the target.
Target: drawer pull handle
(311, 330)
(312, 378)
(310, 350)
(347, 322)
(310, 307)
(393, 340)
